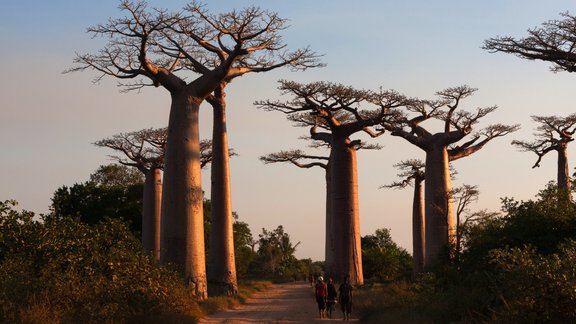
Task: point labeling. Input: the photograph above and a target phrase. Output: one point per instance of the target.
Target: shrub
(66, 270)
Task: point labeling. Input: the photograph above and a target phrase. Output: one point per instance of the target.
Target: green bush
(536, 288)
(64, 270)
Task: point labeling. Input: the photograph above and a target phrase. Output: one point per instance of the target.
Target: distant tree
(383, 258)
(243, 246)
(116, 175)
(160, 48)
(144, 150)
(306, 161)
(275, 253)
(554, 42)
(462, 197)
(338, 111)
(413, 173)
(440, 148)
(553, 134)
(93, 201)
(541, 223)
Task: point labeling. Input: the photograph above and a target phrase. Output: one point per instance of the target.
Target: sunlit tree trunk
(563, 172)
(151, 212)
(440, 227)
(221, 265)
(418, 229)
(182, 232)
(345, 213)
(329, 248)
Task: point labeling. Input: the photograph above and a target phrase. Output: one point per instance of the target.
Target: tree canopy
(554, 41)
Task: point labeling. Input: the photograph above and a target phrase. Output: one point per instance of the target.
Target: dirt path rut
(281, 303)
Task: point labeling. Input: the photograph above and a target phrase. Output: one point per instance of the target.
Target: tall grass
(394, 302)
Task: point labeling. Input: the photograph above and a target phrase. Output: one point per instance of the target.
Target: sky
(49, 120)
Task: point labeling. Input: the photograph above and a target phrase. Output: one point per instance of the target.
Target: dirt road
(281, 303)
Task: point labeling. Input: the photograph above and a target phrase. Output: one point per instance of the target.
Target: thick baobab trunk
(329, 239)
(440, 227)
(345, 213)
(221, 265)
(418, 230)
(563, 172)
(151, 211)
(182, 231)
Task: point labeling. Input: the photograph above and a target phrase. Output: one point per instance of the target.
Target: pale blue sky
(48, 120)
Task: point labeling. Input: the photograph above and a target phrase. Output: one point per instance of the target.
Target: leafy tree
(553, 42)
(116, 175)
(275, 256)
(94, 201)
(383, 258)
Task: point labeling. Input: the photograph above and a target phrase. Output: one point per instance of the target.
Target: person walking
(345, 296)
(331, 298)
(321, 292)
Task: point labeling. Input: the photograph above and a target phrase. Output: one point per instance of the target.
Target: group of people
(327, 297)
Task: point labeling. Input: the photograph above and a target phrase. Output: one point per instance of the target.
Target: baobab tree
(440, 148)
(189, 53)
(412, 173)
(336, 110)
(221, 260)
(144, 150)
(306, 161)
(553, 134)
(554, 41)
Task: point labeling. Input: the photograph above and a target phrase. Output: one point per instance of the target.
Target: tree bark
(418, 229)
(182, 231)
(440, 227)
(221, 266)
(345, 212)
(563, 171)
(151, 211)
(329, 248)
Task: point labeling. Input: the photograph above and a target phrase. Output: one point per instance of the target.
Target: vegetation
(113, 191)
(62, 269)
(518, 267)
(98, 272)
(383, 259)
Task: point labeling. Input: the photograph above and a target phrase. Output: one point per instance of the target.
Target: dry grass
(395, 302)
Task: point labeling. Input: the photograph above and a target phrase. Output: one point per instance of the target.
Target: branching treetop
(142, 149)
(457, 123)
(552, 134)
(296, 157)
(336, 108)
(156, 45)
(554, 41)
(145, 149)
(410, 170)
(206, 152)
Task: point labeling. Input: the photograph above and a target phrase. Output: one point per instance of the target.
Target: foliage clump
(64, 270)
(514, 268)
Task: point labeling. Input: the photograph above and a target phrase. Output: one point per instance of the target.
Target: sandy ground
(281, 303)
